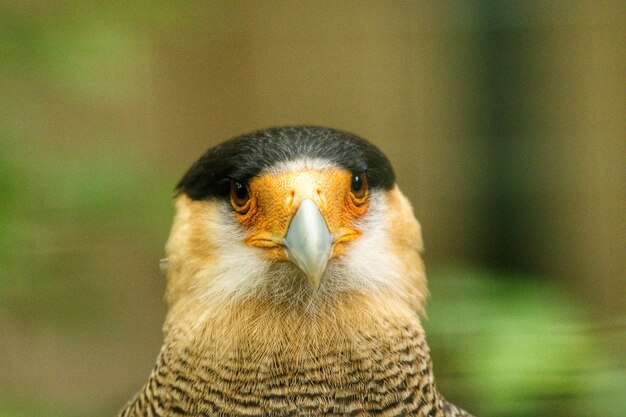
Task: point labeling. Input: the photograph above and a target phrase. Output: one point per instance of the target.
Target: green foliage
(49, 203)
(511, 345)
(75, 215)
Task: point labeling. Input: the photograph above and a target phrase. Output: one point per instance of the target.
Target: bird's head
(293, 215)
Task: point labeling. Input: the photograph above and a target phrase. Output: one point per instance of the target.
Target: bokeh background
(504, 120)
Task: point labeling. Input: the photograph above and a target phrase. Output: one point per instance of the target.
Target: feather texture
(246, 335)
(359, 360)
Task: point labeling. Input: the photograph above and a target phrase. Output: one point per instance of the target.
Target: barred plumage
(247, 332)
(390, 376)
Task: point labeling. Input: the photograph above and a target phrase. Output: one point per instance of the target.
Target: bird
(295, 286)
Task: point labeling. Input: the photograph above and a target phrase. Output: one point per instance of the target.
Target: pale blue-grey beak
(309, 242)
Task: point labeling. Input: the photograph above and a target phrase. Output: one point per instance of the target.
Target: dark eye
(359, 186)
(239, 196)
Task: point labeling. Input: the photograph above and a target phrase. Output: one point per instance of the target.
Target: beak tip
(313, 271)
(315, 278)
(308, 242)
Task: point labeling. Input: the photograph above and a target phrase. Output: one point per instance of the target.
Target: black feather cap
(245, 156)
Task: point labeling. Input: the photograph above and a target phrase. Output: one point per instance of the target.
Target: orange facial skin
(275, 197)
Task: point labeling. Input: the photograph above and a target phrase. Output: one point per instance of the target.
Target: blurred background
(504, 121)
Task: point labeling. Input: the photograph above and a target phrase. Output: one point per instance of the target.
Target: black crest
(244, 157)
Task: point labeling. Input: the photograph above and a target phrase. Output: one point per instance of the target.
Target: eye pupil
(359, 186)
(357, 183)
(239, 196)
(241, 192)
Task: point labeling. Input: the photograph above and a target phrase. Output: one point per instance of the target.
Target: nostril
(319, 197)
(290, 198)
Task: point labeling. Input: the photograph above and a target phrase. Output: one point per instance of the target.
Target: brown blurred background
(504, 121)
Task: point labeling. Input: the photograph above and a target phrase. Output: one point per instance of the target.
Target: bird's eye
(359, 187)
(239, 196)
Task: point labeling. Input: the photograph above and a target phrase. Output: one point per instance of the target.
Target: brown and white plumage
(249, 333)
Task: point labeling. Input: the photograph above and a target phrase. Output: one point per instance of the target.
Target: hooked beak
(309, 242)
